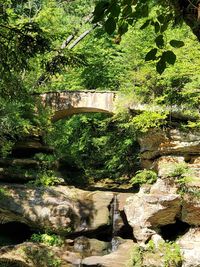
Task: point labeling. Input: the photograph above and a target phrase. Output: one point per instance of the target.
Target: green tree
(117, 16)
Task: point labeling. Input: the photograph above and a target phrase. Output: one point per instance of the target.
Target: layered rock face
(170, 146)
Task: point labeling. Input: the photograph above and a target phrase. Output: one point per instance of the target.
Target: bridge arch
(67, 103)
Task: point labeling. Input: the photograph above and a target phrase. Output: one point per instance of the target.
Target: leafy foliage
(46, 178)
(172, 254)
(169, 252)
(51, 240)
(35, 57)
(136, 257)
(85, 141)
(117, 16)
(144, 177)
(42, 256)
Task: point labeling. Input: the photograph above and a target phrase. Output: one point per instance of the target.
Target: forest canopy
(63, 45)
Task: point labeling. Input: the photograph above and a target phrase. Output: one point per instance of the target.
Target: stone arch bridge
(66, 103)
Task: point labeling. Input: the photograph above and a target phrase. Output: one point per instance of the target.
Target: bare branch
(82, 36)
(67, 41)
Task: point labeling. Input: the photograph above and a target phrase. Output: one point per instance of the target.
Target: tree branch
(81, 37)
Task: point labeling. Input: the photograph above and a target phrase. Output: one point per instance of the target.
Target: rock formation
(70, 212)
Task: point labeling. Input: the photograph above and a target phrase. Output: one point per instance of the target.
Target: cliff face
(170, 146)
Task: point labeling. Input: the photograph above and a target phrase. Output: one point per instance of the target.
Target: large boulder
(59, 209)
(149, 209)
(190, 248)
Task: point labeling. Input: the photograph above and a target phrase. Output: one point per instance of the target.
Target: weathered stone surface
(28, 163)
(164, 164)
(150, 143)
(190, 248)
(119, 258)
(59, 209)
(147, 211)
(30, 254)
(152, 259)
(40, 208)
(89, 247)
(169, 142)
(190, 210)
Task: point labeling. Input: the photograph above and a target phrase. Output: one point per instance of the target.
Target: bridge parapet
(66, 103)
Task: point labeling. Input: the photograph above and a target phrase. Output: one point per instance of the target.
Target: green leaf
(110, 25)
(170, 57)
(151, 55)
(159, 41)
(161, 65)
(176, 43)
(146, 24)
(115, 10)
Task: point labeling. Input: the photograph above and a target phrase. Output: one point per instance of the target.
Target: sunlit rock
(190, 248)
(147, 211)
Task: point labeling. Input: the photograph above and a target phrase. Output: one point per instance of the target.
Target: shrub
(172, 254)
(144, 177)
(51, 240)
(136, 257)
(46, 178)
(169, 252)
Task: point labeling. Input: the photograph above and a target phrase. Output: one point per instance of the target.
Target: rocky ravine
(157, 212)
(59, 210)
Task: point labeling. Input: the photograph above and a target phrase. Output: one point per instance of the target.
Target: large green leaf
(110, 25)
(170, 57)
(100, 9)
(156, 27)
(164, 26)
(146, 24)
(161, 65)
(123, 27)
(115, 10)
(151, 55)
(159, 41)
(176, 43)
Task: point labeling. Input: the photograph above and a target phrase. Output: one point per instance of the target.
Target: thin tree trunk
(82, 36)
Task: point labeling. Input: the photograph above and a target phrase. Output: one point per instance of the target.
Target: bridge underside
(62, 114)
